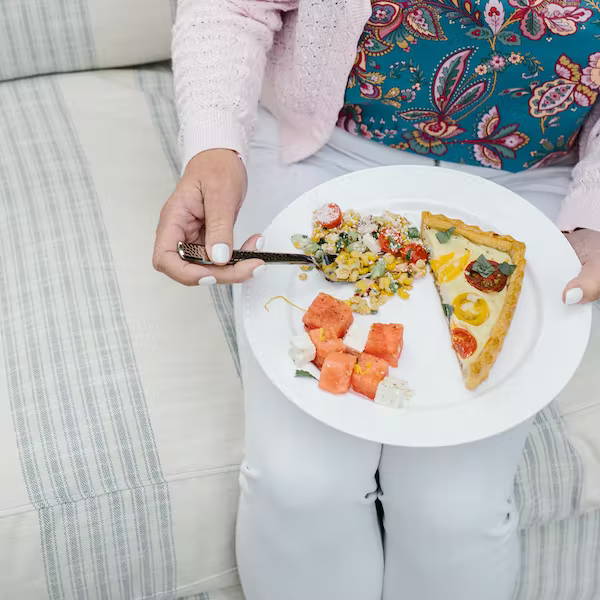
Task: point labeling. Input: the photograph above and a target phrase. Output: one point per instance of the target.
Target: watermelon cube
(325, 342)
(385, 341)
(330, 313)
(368, 372)
(337, 372)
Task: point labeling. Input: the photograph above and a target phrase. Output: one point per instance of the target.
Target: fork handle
(197, 253)
(270, 257)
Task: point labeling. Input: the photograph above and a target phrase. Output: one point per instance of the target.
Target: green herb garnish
(506, 268)
(342, 241)
(444, 236)
(448, 310)
(483, 266)
(409, 254)
(412, 232)
(394, 286)
(302, 373)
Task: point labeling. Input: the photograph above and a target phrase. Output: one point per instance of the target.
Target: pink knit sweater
(295, 56)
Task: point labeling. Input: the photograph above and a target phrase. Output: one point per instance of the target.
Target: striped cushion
(120, 405)
(49, 36)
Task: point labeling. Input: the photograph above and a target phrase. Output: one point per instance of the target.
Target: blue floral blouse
(503, 83)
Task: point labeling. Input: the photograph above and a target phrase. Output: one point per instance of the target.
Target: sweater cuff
(581, 208)
(210, 130)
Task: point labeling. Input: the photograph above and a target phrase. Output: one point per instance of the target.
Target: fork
(196, 253)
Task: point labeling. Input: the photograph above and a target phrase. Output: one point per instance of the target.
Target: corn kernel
(403, 294)
(353, 276)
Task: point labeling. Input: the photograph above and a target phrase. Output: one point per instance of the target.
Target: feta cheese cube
(357, 335)
(302, 350)
(393, 393)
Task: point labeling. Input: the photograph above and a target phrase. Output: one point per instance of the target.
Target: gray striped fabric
(549, 478)
(561, 560)
(44, 36)
(86, 445)
(156, 82)
(52, 36)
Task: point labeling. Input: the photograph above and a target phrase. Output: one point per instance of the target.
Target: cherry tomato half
(463, 342)
(495, 282)
(413, 252)
(390, 241)
(329, 215)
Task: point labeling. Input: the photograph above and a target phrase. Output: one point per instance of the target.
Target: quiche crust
(477, 371)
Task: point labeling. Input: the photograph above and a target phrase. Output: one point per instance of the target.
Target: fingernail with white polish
(220, 253)
(208, 280)
(259, 271)
(260, 242)
(573, 296)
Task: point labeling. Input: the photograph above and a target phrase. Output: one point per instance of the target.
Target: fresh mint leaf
(506, 268)
(302, 373)
(413, 233)
(448, 310)
(483, 266)
(444, 236)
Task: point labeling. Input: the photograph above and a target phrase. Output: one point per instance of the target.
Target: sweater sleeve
(219, 54)
(581, 206)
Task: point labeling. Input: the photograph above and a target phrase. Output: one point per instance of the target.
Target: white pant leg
(450, 522)
(307, 525)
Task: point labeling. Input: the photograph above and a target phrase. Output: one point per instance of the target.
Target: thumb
(586, 286)
(219, 217)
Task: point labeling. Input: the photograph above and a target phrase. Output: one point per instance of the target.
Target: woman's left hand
(586, 286)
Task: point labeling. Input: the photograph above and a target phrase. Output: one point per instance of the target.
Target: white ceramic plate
(541, 352)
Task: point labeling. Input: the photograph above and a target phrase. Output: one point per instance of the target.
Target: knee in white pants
(305, 486)
(452, 514)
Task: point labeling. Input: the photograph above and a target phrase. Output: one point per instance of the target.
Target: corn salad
(380, 255)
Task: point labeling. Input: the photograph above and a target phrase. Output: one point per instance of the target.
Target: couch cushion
(49, 36)
(120, 404)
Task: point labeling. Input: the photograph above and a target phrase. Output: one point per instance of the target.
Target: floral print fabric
(505, 84)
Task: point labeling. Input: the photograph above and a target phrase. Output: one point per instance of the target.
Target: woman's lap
(297, 462)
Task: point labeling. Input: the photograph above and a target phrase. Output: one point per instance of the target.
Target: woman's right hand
(203, 209)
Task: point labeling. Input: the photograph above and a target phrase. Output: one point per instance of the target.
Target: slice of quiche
(478, 275)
